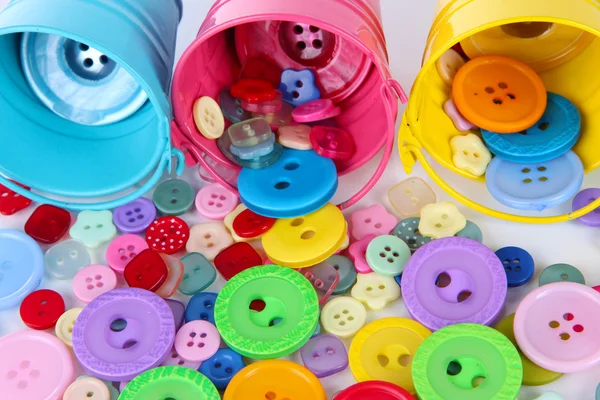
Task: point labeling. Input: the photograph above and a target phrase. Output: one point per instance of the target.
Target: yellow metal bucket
(560, 39)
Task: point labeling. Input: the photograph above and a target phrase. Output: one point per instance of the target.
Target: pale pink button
(357, 253)
(122, 250)
(215, 202)
(316, 110)
(174, 359)
(34, 365)
(92, 281)
(174, 277)
(197, 341)
(295, 137)
(373, 220)
(87, 388)
(457, 118)
(208, 239)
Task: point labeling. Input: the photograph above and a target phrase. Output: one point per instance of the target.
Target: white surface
(406, 25)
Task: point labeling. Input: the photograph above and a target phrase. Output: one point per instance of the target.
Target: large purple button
(122, 333)
(584, 198)
(454, 280)
(134, 217)
(324, 355)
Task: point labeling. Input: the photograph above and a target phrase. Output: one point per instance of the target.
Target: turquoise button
(173, 197)
(471, 231)
(561, 273)
(408, 231)
(347, 272)
(198, 274)
(387, 255)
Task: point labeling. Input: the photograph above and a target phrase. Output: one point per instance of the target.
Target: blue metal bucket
(68, 163)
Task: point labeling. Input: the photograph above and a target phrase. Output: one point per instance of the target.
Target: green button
(198, 274)
(471, 231)
(170, 383)
(561, 273)
(387, 255)
(173, 197)
(467, 362)
(347, 272)
(288, 317)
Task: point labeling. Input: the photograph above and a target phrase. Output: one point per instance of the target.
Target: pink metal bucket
(347, 52)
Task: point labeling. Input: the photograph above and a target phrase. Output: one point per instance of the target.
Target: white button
(343, 316)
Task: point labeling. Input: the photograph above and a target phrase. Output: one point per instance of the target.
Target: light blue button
(251, 152)
(64, 259)
(198, 274)
(535, 186)
(347, 272)
(21, 267)
(298, 87)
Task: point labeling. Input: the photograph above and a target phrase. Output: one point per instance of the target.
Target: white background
(406, 25)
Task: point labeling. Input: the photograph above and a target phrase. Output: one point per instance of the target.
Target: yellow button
(228, 221)
(275, 380)
(441, 220)
(343, 316)
(384, 350)
(346, 243)
(470, 154)
(306, 241)
(374, 290)
(85, 388)
(209, 118)
(64, 326)
(448, 65)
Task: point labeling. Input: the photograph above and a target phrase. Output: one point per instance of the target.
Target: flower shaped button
(198, 274)
(41, 309)
(375, 290)
(134, 217)
(299, 87)
(561, 273)
(197, 341)
(222, 367)
(315, 110)
(168, 235)
(64, 259)
(90, 282)
(470, 154)
(457, 118)
(253, 90)
(448, 65)
(332, 142)
(345, 267)
(373, 220)
(93, 228)
(48, 224)
(208, 117)
(123, 249)
(173, 197)
(324, 355)
(583, 198)
(408, 231)
(146, 271)
(518, 265)
(208, 239)
(410, 196)
(387, 255)
(441, 220)
(12, 202)
(358, 254)
(215, 202)
(343, 316)
(232, 108)
(201, 307)
(64, 326)
(295, 137)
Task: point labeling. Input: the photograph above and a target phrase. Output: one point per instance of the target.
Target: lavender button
(122, 333)
(454, 280)
(134, 217)
(584, 198)
(178, 312)
(324, 355)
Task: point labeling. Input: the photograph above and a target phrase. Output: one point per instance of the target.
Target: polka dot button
(123, 249)
(173, 197)
(168, 235)
(197, 341)
(208, 117)
(518, 265)
(215, 202)
(448, 65)
(134, 217)
(410, 196)
(441, 220)
(41, 309)
(375, 290)
(64, 326)
(209, 239)
(387, 255)
(12, 202)
(85, 388)
(90, 282)
(470, 154)
(343, 316)
(561, 273)
(373, 220)
(408, 231)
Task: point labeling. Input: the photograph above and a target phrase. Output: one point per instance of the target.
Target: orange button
(499, 94)
(274, 380)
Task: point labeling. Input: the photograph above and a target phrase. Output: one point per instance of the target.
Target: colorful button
(48, 224)
(471, 231)
(21, 267)
(470, 154)
(305, 241)
(374, 389)
(298, 87)
(287, 189)
(448, 65)
(535, 186)
(173, 197)
(174, 276)
(178, 310)
(410, 196)
(91, 281)
(168, 235)
(583, 198)
(459, 121)
(41, 309)
(209, 239)
(236, 258)
(324, 277)
(387, 255)
(134, 217)
(228, 221)
(198, 274)
(249, 225)
(375, 291)
(343, 316)
(408, 231)
(64, 326)
(123, 249)
(215, 202)
(345, 268)
(324, 355)
(165, 382)
(281, 118)
(259, 68)
(332, 142)
(441, 220)
(561, 273)
(232, 108)
(467, 361)
(499, 94)
(122, 333)
(93, 228)
(224, 143)
(64, 259)
(222, 367)
(146, 271)
(253, 90)
(34, 365)
(201, 307)
(384, 350)
(174, 359)
(197, 341)
(12, 202)
(280, 293)
(253, 152)
(295, 137)
(87, 387)
(208, 117)
(275, 379)
(518, 265)
(315, 110)
(266, 106)
(373, 220)
(454, 280)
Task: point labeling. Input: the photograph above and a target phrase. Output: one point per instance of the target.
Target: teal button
(471, 231)
(347, 272)
(561, 273)
(408, 231)
(387, 255)
(173, 197)
(198, 274)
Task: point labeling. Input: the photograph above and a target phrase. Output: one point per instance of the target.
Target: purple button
(454, 280)
(324, 278)
(584, 198)
(324, 355)
(134, 217)
(178, 312)
(123, 333)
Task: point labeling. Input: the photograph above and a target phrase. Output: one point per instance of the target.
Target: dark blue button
(221, 367)
(518, 265)
(201, 307)
(398, 279)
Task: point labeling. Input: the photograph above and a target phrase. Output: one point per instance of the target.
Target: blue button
(535, 186)
(299, 183)
(21, 267)
(201, 307)
(221, 367)
(298, 87)
(347, 272)
(251, 152)
(317, 331)
(553, 135)
(398, 279)
(518, 265)
(471, 231)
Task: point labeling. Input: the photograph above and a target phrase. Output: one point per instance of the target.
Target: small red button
(235, 259)
(167, 235)
(249, 225)
(261, 69)
(41, 309)
(253, 90)
(374, 390)
(11, 202)
(48, 224)
(334, 143)
(147, 271)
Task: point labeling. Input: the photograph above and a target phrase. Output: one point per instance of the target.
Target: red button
(48, 224)
(261, 69)
(253, 90)
(41, 309)
(332, 142)
(374, 390)
(11, 202)
(249, 225)
(167, 235)
(147, 271)
(235, 259)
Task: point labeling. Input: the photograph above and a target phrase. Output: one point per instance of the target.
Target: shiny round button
(64, 326)
(197, 341)
(215, 202)
(146, 271)
(583, 198)
(316, 110)
(134, 217)
(345, 268)
(222, 367)
(384, 350)
(201, 307)
(471, 231)
(343, 316)
(561, 273)
(208, 117)
(123, 249)
(175, 359)
(48, 224)
(518, 265)
(248, 224)
(91, 281)
(387, 255)
(173, 197)
(374, 389)
(88, 387)
(167, 235)
(41, 309)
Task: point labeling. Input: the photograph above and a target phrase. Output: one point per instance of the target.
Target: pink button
(92, 281)
(557, 327)
(373, 220)
(87, 388)
(357, 252)
(174, 359)
(457, 118)
(295, 137)
(316, 110)
(197, 341)
(123, 249)
(215, 202)
(267, 106)
(334, 143)
(34, 365)
(174, 277)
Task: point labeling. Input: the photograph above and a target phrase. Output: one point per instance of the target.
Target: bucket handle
(164, 164)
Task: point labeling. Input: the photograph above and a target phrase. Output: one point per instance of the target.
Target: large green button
(467, 362)
(173, 197)
(561, 273)
(267, 312)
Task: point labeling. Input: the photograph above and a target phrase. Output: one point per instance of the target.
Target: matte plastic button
(332, 142)
(374, 389)
(448, 65)
(561, 273)
(87, 388)
(315, 110)
(324, 355)
(93, 228)
(222, 367)
(174, 276)
(64, 259)
(168, 235)
(408, 231)
(48, 224)
(249, 225)
(174, 359)
(236, 258)
(324, 277)
(64, 326)
(299, 87)
(209, 239)
(259, 68)
(343, 316)
(471, 231)
(375, 290)
(373, 220)
(410, 196)
(232, 108)
(358, 254)
(91, 281)
(470, 154)
(253, 90)
(123, 249)
(441, 220)
(459, 121)
(345, 268)
(41, 309)
(134, 217)
(12, 202)
(208, 117)
(387, 255)
(197, 341)
(295, 137)
(215, 202)
(253, 152)
(198, 274)
(583, 198)
(173, 197)
(146, 271)
(518, 265)
(201, 307)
